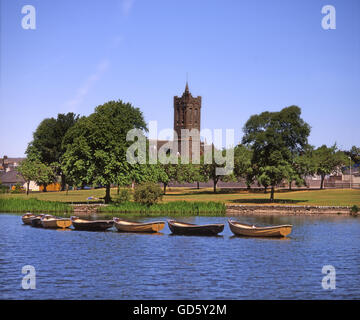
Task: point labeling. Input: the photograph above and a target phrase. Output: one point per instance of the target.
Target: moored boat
(26, 218)
(49, 221)
(36, 221)
(242, 229)
(131, 226)
(195, 229)
(91, 225)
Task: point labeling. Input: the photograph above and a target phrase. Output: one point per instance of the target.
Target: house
(11, 178)
(9, 164)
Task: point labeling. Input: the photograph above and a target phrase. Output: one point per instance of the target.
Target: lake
(73, 264)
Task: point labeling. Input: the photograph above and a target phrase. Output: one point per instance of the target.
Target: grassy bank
(33, 205)
(173, 208)
(326, 197)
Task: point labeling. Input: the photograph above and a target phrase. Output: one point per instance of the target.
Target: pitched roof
(11, 160)
(11, 177)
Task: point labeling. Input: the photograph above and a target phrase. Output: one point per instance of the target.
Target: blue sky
(242, 57)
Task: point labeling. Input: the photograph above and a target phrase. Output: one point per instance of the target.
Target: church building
(187, 116)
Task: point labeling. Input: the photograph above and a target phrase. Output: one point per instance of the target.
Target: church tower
(187, 110)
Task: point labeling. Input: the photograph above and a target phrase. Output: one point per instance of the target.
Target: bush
(354, 209)
(4, 189)
(17, 189)
(124, 196)
(147, 193)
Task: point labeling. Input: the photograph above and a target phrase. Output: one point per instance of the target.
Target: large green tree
(275, 139)
(328, 160)
(96, 145)
(47, 144)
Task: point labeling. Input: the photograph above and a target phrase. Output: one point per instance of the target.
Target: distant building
(11, 178)
(9, 164)
(187, 115)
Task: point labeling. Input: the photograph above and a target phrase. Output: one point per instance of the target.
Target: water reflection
(197, 235)
(261, 238)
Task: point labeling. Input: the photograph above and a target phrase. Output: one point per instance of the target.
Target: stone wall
(240, 210)
(85, 209)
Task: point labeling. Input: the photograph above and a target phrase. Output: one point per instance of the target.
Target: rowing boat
(49, 221)
(91, 225)
(195, 229)
(242, 229)
(36, 221)
(131, 226)
(26, 218)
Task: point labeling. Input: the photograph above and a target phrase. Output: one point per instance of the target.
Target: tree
(45, 175)
(275, 139)
(242, 164)
(34, 170)
(179, 172)
(47, 144)
(167, 172)
(303, 165)
(209, 171)
(28, 170)
(147, 193)
(354, 154)
(96, 145)
(327, 161)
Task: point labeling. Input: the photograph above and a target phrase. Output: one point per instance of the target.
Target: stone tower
(187, 110)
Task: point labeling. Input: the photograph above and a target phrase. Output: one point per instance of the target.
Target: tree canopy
(34, 170)
(47, 144)
(96, 145)
(275, 139)
(327, 160)
(354, 154)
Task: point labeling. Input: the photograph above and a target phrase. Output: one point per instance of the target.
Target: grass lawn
(327, 197)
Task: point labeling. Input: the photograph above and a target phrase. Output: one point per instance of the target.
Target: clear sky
(242, 57)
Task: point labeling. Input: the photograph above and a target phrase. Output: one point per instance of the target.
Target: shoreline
(231, 210)
(250, 210)
(263, 210)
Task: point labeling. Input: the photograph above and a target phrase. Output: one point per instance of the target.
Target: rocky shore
(243, 210)
(85, 209)
(248, 210)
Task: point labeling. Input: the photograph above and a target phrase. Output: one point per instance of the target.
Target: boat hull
(181, 228)
(241, 229)
(36, 222)
(96, 225)
(54, 223)
(64, 223)
(26, 218)
(149, 227)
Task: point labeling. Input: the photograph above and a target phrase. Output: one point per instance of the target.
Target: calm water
(111, 265)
